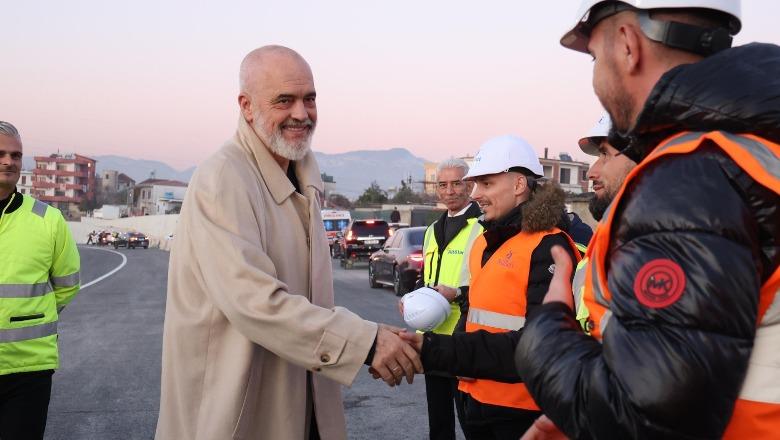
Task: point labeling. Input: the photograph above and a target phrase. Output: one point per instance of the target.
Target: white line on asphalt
(103, 277)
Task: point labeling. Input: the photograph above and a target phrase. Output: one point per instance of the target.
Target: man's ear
(245, 104)
(521, 183)
(629, 41)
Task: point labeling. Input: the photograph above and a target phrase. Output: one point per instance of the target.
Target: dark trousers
(441, 392)
(24, 404)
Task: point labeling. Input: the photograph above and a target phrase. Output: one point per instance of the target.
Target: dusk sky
(159, 79)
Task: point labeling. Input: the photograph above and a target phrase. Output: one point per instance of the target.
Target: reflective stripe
(581, 247)
(495, 319)
(578, 284)
(598, 295)
(603, 324)
(66, 281)
(772, 315)
(24, 290)
(465, 273)
(759, 151)
(25, 333)
(39, 208)
(762, 383)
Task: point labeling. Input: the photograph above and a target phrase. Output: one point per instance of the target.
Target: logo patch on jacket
(659, 283)
(506, 261)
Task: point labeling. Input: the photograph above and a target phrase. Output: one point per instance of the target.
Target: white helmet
(500, 154)
(425, 309)
(677, 35)
(590, 143)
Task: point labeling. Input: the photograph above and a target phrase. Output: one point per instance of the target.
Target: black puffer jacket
(673, 372)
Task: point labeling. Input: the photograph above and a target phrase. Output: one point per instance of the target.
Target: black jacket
(673, 372)
(487, 355)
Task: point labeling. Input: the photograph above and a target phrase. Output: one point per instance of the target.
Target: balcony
(42, 172)
(49, 199)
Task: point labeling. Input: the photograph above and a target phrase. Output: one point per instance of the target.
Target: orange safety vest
(497, 303)
(757, 410)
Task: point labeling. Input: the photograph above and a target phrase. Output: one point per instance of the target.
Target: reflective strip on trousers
(67, 280)
(24, 290)
(26, 333)
(495, 319)
(465, 273)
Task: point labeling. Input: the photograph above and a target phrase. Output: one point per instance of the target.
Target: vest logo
(659, 283)
(551, 269)
(454, 252)
(506, 261)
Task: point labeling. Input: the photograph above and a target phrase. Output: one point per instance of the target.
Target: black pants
(440, 392)
(24, 404)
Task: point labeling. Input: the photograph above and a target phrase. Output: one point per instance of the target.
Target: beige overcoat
(250, 306)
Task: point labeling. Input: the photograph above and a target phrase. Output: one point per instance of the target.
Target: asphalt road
(108, 384)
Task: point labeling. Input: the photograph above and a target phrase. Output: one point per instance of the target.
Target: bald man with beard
(253, 346)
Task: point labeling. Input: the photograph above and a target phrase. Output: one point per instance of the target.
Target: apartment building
(64, 181)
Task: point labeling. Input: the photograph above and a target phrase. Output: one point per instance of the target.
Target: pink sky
(158, 80)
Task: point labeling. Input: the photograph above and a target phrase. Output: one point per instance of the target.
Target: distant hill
(353, 171)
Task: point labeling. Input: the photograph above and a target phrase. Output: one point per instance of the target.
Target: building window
(547, 171)
(22, 191)
(41, 166)
(565, 176)
(584, 175)
(24, 181)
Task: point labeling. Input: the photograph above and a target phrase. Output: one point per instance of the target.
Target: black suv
(361, 239)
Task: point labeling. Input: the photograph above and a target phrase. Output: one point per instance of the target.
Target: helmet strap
(683, 36)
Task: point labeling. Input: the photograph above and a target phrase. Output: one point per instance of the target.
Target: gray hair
(8, 129)
(452, 162)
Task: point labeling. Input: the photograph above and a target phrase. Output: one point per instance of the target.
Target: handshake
(397, 352)
(397, 355)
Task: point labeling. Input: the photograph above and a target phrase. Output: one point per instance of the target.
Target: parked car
(361, 239)
(399, 263)
(131, 240)
(396, 226)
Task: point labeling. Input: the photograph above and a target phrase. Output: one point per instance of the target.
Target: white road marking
(113, 271)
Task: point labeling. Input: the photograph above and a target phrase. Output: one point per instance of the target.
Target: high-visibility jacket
(449, 266)
(39, 275)
(497, 304)
(757, 411)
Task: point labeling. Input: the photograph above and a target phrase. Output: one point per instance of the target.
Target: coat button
(325, 358)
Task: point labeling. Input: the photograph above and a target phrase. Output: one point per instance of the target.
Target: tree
(339, 201)
(406, 195)
(372, 195)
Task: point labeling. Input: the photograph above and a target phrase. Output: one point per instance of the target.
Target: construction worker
(39, 276)
(510, 267)
(446, 248)
(682, 279)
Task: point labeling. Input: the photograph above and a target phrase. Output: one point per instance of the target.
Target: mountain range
(352, 171)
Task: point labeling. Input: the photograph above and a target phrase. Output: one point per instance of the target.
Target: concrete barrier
(157, 227)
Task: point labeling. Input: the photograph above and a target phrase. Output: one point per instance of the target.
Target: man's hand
(447, 292)
(560, 286)
(543, 429)
(413, 339)
(394, 358)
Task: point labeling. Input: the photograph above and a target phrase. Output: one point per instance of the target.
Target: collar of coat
(275, 178)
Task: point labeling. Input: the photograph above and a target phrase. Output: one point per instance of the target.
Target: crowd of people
(664, 324)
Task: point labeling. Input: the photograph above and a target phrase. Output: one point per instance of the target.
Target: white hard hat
(425, 309)
(590, 143)
(578, 36)
(500, 154)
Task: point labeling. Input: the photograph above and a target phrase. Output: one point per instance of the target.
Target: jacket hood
(736, 90)
(543, 210)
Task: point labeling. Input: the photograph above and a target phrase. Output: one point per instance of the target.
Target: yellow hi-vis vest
(39, 275)
(449, 266)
